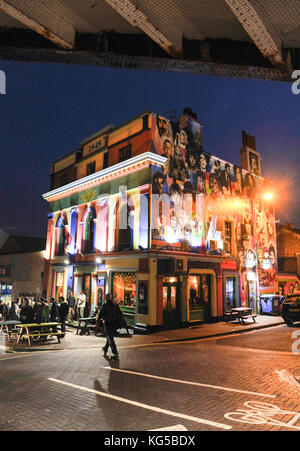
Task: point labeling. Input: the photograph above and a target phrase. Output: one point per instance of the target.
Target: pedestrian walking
(81, 304)
(71, 302)
(111, 315)
(63, 313)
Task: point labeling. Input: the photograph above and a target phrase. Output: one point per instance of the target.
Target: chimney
(250, 158)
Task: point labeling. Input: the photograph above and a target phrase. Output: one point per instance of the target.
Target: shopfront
(230, 292)
(6, 292)
(171, 303)
(124, 293)
(199, 297)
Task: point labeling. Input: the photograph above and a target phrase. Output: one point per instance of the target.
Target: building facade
(177, 235)
(288, 245)
(21, 267)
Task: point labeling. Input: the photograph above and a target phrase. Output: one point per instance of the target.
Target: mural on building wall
(205, 205)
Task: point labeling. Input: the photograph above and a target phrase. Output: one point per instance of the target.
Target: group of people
(39, 311)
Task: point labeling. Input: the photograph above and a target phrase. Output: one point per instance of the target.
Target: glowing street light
(268, 196)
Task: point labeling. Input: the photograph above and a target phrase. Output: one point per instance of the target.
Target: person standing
(4, 311)
(81, 304)
(71, 302)
(111, 315)
(54, 311)
(14, 313)
(26, 314)
(63, 311)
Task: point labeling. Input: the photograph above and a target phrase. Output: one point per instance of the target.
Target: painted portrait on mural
(253, 163)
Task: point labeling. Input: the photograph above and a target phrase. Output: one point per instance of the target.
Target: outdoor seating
(35, 330)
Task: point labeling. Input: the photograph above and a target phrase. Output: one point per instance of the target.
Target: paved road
(218, 384)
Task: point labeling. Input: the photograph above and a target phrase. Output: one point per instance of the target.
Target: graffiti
(261, 413)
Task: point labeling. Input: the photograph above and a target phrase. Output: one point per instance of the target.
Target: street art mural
(205, 205)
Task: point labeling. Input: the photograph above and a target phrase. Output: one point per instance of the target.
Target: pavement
(197, 332)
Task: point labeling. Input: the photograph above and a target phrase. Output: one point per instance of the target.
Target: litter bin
(270, 304)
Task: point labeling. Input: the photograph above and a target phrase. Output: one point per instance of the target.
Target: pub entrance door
(171, 308)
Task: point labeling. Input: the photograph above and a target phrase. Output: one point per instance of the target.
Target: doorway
(171, 314)
(86, 288)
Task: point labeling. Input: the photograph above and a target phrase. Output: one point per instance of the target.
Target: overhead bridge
(232, 38)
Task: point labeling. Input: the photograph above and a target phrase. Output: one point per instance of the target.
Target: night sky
(49, 109)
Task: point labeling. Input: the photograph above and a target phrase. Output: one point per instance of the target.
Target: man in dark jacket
(71, 302)
(111, 315)
(4, 311)
(63, 313)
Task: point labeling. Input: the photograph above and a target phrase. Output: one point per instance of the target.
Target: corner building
(177, 235)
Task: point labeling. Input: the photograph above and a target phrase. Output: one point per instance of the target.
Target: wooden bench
(252, 315)
(230, 316)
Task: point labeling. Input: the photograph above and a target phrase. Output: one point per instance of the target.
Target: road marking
(198, 384)
(177, 427)
(144, 406)
(261, 413)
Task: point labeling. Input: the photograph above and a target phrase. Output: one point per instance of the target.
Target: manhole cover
(297, 375)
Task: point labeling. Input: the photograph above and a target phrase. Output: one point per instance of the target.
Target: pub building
(177, 235)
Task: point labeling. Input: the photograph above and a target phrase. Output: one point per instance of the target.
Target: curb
(240, 331)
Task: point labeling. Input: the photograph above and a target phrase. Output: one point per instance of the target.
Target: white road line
(145, 406)
(176, 427)
(198, 384)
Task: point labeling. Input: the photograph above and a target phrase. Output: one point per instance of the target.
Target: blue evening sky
(50, 108)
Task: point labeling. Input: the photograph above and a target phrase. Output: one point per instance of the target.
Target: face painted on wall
(178, 158)
(192, 161)
(202, 162)
(167, 148)
(162, 126)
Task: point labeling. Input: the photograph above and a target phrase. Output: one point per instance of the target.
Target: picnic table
(242, 313)
(37, 330)
(8, 327)
(88, 323)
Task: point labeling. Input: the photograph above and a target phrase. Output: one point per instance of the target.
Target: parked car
(270, 304)
(290, 309)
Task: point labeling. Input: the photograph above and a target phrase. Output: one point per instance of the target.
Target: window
(62, 237)
(89, 232)
(64, 179)
(105, 160)
(228, 234)
(90, 168)
(125, 153)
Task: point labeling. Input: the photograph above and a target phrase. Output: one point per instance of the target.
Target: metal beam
(137, 18)
(143, 63)
(66, 42)
(268, 43)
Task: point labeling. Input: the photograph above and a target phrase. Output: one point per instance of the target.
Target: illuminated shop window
(198, 291)
(124, 289)
(230, 293)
